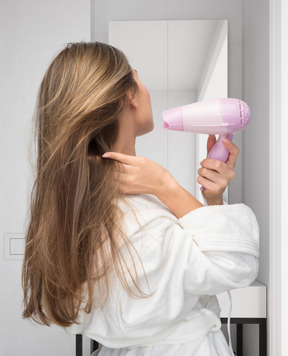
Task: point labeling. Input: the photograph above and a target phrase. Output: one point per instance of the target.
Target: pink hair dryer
(222, 117)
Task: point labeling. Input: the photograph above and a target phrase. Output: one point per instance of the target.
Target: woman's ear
(132, 100)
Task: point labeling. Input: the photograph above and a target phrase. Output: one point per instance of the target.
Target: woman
(116, 249)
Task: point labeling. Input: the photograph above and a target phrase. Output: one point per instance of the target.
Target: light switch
(14, 246)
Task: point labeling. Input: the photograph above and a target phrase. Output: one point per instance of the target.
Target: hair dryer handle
(219, 151)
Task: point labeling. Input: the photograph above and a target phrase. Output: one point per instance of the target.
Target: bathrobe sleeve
(227, 243)
(208, 251)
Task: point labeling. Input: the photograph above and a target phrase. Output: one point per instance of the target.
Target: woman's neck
(126, 139)
(125, 144)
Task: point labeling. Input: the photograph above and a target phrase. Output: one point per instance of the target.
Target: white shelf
(249, 302)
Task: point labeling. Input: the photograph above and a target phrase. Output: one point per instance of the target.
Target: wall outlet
(14, 246)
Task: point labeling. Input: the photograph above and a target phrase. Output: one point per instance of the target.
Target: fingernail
(226, 141)
(106, 155)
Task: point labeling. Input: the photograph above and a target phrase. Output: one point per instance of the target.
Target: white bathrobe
(186, 262)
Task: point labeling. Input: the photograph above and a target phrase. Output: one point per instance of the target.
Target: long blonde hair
(74, 238)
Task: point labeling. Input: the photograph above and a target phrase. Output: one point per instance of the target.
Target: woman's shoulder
(142, 209)
(143, 204)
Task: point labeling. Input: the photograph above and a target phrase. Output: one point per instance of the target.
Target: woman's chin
(145, 130)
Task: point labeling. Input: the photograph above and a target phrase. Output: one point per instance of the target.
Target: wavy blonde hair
(74, 235)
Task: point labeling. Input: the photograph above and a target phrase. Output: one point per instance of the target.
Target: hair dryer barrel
(220, 116)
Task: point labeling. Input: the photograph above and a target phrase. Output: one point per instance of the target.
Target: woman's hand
(140, 175)
(215, 175)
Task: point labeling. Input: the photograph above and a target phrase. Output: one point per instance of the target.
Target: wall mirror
(180, 62)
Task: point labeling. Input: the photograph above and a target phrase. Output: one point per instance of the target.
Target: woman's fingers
(214, 164)
(212, 187)
(138, 175)
(120, 157)
(213, 181)
(212, 168)
(233, 152)
(213, 175)
(210, 142)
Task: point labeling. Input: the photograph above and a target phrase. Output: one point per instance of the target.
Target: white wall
(31, 32)
(256, 138)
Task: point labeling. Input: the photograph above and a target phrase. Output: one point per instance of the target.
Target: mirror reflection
(180, 62)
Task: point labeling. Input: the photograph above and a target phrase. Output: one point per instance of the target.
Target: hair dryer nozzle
(173, 119)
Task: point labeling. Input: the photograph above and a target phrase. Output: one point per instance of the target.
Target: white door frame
(278, 289)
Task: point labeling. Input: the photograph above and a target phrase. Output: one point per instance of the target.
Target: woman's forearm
(177, 199)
